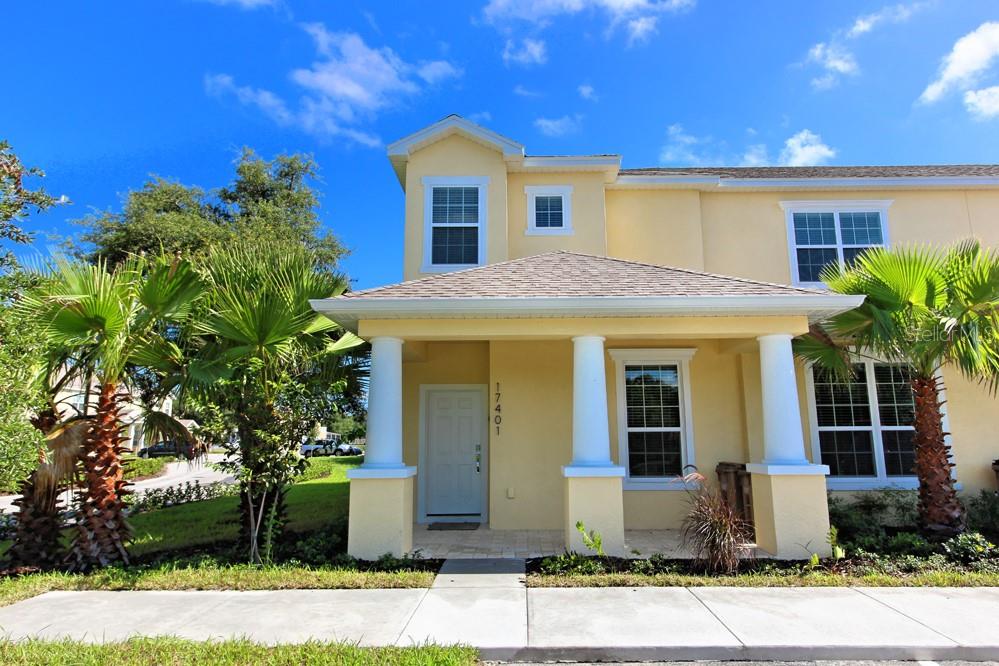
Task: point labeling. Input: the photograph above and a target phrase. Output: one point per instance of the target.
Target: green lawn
(807, 579)
(312, 504)
(171, 652)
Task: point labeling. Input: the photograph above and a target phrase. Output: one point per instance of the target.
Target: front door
(455, 433)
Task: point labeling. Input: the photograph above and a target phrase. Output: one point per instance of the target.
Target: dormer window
(549, 210)
(454, 223)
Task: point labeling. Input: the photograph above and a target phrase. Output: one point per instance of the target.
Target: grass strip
(176, 652)
(810, 579)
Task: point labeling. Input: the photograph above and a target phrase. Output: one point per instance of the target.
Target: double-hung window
(549, 210)
(862, 426)
(655, 437)
(454, 223)
(824, 233)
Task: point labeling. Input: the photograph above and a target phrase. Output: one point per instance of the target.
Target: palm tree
(927, 309)
(106, 323)
(272, 365)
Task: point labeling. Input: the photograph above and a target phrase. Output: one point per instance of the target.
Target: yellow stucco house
(572, 336)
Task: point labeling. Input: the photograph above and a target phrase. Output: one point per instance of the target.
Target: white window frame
(834, 206)
(535, 191)
(429, 183)
(680, 358)
(881, 480)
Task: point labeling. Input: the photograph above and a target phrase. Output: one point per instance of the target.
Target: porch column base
(381, 512)
(594, 496)
(790, 510)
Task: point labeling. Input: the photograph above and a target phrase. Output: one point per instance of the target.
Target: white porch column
(790, 512)
(783, 441)
(590, 426)
(593, 490)
(384, 431)
(381, 490)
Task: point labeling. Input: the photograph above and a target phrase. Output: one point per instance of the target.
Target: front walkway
(487, 543)
(484, 603)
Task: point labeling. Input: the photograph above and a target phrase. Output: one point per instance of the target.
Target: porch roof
(571, 284)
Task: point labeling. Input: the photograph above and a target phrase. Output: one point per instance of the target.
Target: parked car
(319, 447)
(347, 450)
(165, 449)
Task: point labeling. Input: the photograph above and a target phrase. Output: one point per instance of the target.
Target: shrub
(866, 520)
(656, 564)
(969, 547)
(714, 533)
(569, 563)
(161, 498)
(909, 543)
(983, 513)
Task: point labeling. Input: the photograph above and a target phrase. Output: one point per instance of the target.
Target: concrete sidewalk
(484, 603)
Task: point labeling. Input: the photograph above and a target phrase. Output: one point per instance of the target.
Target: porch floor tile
(489, 543)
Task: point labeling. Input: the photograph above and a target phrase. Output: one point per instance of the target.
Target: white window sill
(886, 483)
(446, 268)
(557, 231)
(659, 484)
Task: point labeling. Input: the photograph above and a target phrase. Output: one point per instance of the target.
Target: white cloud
(529, 52)
(755, 155)
(436, 71)
(971, 56)
(984, 103)
(559, 126)
(586, 91)
(480, 117)
(834, 56)
(638, 17)
(270, 104)
(521, 91)
(806, 149)
(890, 14)
(345, 88)
(244, 4)
(641, 28)
(683, 148)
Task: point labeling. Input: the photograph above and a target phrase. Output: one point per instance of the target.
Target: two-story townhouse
(572, 337)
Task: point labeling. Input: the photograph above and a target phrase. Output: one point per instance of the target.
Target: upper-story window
(823, 233)
(549, 210)
(454, 223)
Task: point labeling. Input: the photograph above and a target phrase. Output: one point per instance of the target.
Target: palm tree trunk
(102, 530)
(941, 514)
(38, 536)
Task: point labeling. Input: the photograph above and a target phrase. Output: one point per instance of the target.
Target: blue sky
(101, 95)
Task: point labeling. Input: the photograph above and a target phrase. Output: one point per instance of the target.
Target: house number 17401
(497, 409)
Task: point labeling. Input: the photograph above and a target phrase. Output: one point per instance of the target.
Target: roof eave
(349, 311)
(718, 183)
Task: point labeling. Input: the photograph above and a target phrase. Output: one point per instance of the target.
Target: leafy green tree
(102, 323)
(928, 309)
(17, 200)
(268, 201)
(270, 366)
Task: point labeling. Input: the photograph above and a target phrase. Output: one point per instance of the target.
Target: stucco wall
(589, 231)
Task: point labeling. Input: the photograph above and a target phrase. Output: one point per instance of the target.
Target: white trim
(716, 182)
(787, 470)
(881, 480)
(364, 472)
(593, 471)
(834, 206)
(450, 125)
(429, 183)
(680, 358)
(533, 192)
(421, 486)
(348, 311)
(568, 161)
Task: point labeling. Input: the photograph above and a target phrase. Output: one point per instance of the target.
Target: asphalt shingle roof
(572, 274)
(911, 171)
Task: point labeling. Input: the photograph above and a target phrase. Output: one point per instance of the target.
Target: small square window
(549, 210)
